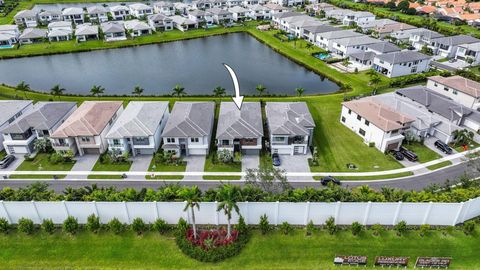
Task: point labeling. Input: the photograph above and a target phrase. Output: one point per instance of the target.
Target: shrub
(4, 225)
(182, 226)
(26, 226)
(469, 227)
(55, 158)
(377, 229)
(264, 224)
(93, 223)
(160, 226)
(48, 226)
(401, 228)
(70, 225)
(286, 228)
(309, 229)
(424, 229)
(225, 156)
(241, 227)
(116, 226)
(331, 226)
(448, 230)
(357, 228)
(138, 226)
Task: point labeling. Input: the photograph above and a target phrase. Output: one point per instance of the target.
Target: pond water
(195, 64)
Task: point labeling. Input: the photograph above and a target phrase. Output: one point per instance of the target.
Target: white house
(74, 15)
(140, 10)
(183, 24)
(422, 37)
(137, 28)
(325, 40)
(310, 32)
(288, 3)
(189, 128)
(290, 126)
(38, 122)
(377, 124)
(119, 12)
(346, 46)
(97, 14)
(32, 35)
(26, 18)
(160, 22)
(459, 89)
(11, 110)
(113, 31)
(276, 8)
(238, 13)
(469, 53)
(139, 128)
(47, 16)
(259, 12)
(358, 18)
(401, 63)
(10, 33)
(165, 8)
(200, 16)
(86, 31)
(60, 31)
(447, 46)
(220, 16)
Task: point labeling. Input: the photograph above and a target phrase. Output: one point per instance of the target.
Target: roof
(50, 13)
(139, 119)
(234, 123)
(11, 107)
(33, 33)
(96, 10)
(43, 116)
(218, 11)
(237, 9)
(190, 119)
(26, 13)
(60, 24)
(384, 117)
(163, 4)
(273, 6)
(358, 40)
(426, 33)
(159, 17)
(288, 118)
(321, 28)
(136, 25)
(456, 40)
(471, 46)
(72, 11)
(112, 27)
(363, 55)
(139, 6)
(402, 57)
(340, 34)
(8, 27)
(182, 20)
(394, 27)
(464, 85)
(118, 8)
(383, 47)
(90, 119)
(59, 33)
(86, 29)
(282, 15)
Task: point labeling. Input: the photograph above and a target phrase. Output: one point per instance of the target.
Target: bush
(48, 226)
(377, 229)
(331, 226)
(357, 228)
(468, 227)
(160, 226)
(310, 228)
(286, 228)
(241, 227)
(401, 228)
(424, 229)
(55, 158)
(225, 156)
(70, 225)
(93, 223)
(264, 224)
(26, 226)
(182, 226)
(138, 226)
(4, 225)
(116, 226)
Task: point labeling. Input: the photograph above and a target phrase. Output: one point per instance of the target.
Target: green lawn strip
(471, 145)
(475, 70)
(219, 178)
(424, 153)
(113, 167)
(375, 177)
(439, 165)
(41, 163)
(221, 167)
(36, 176)
(165, 168)
(272, 251)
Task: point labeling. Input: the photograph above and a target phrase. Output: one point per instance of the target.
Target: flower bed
(211, 245)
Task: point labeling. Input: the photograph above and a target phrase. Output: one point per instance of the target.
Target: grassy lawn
(376, 177)
(439, 165)
(221, 167)
(424, 153)
(271, 251)
(2, 154)
(41, 163)
(114, 167)
(154, 167)
(471, 145)
(475, 70)
(36, 176)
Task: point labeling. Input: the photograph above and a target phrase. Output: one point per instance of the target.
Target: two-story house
(74, 15)
(26, 18)
(220, 16)
(38, 122)
(140, 10)
(200, 16)
(84, 132)
(164, 7)
(240, 130)
(60, 31)
(160, 22)
(401, 63)
(189, 128)
(469, 53)
(113, 31)
(11, 110)
(137, 28)
(139, 128)
(97, 14)
(47, 16)
(238, 13)
(290, 126)
(119, 12)
(460, 89)
(447, 46)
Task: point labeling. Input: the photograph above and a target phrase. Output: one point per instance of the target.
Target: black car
(411, 156)
(398, 155)
(443, 147)
(276, 160)
(6, 161)
(329, 179)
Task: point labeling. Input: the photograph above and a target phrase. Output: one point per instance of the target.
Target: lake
(195, 64)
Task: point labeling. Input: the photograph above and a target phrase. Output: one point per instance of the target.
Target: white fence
(345, 213)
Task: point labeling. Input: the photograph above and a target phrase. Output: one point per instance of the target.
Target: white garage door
(145, 151)
(298, 150)
(196, 152)
(471, 124)
(17, 150)
(282, 151)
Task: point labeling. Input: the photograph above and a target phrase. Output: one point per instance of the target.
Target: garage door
(250, 151)
(197, 152)
(393, 146)
(91, 151)
(441, 136)
(471, 124)
(144, 151)
(17, 149)
(282, 151)
(298, 150)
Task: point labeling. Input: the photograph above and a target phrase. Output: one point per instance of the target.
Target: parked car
(443, 147)
(411, 156)
(6, 161)
(276, 160)
(330, 179)
(398, 155)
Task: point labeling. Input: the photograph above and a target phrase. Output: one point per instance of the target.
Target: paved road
(408, 183)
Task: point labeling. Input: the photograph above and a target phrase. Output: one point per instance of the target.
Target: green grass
(439, 165)
(154, 167)
(376, 177)
(109, 167)
(221, 167)
(475, 70)
(2, 154)
(424, 153)
(271, 251)
(41, 163)
(471, 145)
(219, 178)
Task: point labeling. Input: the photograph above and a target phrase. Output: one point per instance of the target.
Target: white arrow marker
(237, 98)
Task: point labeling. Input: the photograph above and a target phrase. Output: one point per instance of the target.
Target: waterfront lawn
(41, 163)
(157, 167)
(424, 153)
(272, 251)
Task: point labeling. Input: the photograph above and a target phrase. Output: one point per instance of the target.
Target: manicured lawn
(221, 167)
(36, 176)
(439, 165)
(271, 251)
(424, 153)
(475, 70)
(114, 167)
(41, 163)
(154, 167)
(3, 154)
(471, 145)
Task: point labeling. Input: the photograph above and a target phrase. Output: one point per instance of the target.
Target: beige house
(85, 130)
(461, 90)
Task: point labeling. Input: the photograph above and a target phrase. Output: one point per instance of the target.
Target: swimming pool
(322, 56)
(6, 46)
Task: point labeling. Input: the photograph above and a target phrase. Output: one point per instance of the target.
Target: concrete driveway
(250, 162)
(194, 164)
(296, 163)
(140, 163)
(14, 165)
(84, 163)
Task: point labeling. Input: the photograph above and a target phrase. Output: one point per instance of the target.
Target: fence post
(216, 213)
(469, 202)
(337, 211)
(127, 215)
(9, 219)
(397, 213)
(425, 218)
(460, 208)
(95, 209)
(367, 213)
(65, 208)
(307, 213)
(277, 206)
(156, 210)
(36, 212)
(247, 213)
(185, 214)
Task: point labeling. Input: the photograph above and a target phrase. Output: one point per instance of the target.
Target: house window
(116, 142)
(394, 132)
(359, 118)
(445, 88)
(85, 139)
(362, 132)
(194, 140)
(367, 123)
(343, 119)
(225, 142)
(455, 92)
(170, 140)
(349, 111)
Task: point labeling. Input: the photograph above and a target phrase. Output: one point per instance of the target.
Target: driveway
(84, 163)
(296, 163)
(14, 165)
(250, 162)
(194, 164)
(140, 163)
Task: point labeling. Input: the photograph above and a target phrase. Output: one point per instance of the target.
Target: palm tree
(22, 86)
(299, 91)
(97, 90)
(219, 91)
(228, 196)
(462, 136)
(374, 80)
(261, 89)
(192, 197)
(346, 62)
(137, 91)
(371, 72)
(178, 91)
(308, 46)
(57, 91)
